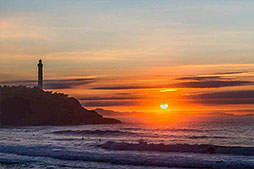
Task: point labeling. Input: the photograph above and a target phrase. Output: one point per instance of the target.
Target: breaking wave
(60, 152)
(196, 148)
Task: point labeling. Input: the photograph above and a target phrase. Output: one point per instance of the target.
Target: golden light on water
(164, 105)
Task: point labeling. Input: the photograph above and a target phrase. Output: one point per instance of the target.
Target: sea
(197, 143)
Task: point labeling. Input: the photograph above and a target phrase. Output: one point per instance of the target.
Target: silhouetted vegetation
(20, 105)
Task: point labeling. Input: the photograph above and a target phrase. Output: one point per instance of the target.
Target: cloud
(239, 94)
(199, 78)
(228, 101)
(212, 84)
(120, 87)
(53, 83)
(229, 73)
(228, 97)
(67, 83)
(108, 103)
(109, 98)
(241, 111)
(192, 84)
(17, 82)
(213, 76)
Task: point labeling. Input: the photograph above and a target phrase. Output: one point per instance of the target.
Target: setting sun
(164, 105)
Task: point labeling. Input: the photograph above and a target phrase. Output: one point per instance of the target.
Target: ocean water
(199, 143)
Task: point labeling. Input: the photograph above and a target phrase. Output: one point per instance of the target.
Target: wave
(132, 128)
(205, 137)
(8, 162)
(196, 148)
(187, 130)
(93, 132)
(66, 139)
(191, 137)
(164, 160)
(170, 129)
(127, 133)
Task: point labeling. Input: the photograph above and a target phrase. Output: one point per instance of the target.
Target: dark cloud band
(199, 78)
(227, 97)
(192, 84)
(109, 98)
(108, 103)
(212, 84)
(53, 83)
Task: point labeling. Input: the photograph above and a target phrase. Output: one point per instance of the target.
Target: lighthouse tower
(40, 74)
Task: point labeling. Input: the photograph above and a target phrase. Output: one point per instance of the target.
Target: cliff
(32, 106)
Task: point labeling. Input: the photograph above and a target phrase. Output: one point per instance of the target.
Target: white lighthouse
(40, 74)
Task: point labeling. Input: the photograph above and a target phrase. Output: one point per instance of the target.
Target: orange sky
(206, 90)
(132, 56)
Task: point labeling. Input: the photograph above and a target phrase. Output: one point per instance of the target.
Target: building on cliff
(40, 74)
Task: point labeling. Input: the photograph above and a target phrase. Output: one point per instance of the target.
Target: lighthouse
(40, 74)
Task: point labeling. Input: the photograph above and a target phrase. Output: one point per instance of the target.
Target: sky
(126, 58)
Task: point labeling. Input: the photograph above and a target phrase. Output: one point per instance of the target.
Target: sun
(164, 105)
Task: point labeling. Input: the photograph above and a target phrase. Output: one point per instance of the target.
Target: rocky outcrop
(32, 106)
